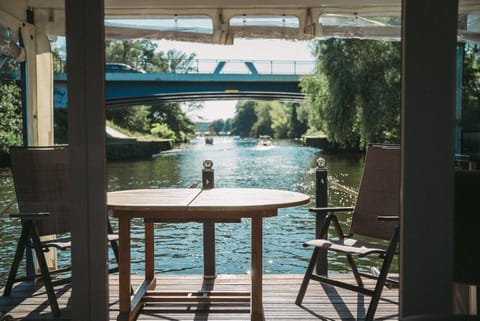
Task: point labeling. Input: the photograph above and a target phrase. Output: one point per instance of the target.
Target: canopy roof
(216, 21)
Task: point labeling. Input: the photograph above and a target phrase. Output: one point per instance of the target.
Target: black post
(321, 200)
(207, 175)
(208, 227)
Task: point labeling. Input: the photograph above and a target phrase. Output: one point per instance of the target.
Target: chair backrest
(379, 192)
(40, 175)
(466, 249)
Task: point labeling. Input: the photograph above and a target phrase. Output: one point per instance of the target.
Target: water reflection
(237, 163)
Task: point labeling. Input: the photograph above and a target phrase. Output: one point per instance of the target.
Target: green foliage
(179, 62)
(280, 119)
(298, 120)
(354, 97)
(172, 115)
(58, 57)
(139, 54)
(143, 54)
(263, 124)
(470, 118)
(216, 127)
(273, 118)
(162, 131)
(135, 118)
(244, 118)
(10, 115)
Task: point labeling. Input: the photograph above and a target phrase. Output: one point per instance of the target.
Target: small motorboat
(264, 141)
(209, 140)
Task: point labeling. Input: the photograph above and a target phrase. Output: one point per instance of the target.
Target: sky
(255, 49)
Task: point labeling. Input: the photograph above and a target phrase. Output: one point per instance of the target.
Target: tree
(354, 96)
(470, 119)
(134, 118)
(157, 118)
(280, 119)
(11, 128)
(11, 115)
(298, 121)
(273, 118)
(140, 54)
(216, 126)
(228, 125)
(263, 124)
(179, 62)
(244, 118)
(144, 54)
(172, 115)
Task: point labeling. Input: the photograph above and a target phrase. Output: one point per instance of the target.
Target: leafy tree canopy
(470, 118)
(159, 119)
(354, 96)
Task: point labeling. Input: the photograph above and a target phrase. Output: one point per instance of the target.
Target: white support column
(39, 95)
(86, 135)
(40, 85)
(428, 120)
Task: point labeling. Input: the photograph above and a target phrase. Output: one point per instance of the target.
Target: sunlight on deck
(280, 290)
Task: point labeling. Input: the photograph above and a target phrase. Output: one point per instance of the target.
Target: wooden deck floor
(320, 303)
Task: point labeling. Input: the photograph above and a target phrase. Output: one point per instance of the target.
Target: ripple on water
(237, 163)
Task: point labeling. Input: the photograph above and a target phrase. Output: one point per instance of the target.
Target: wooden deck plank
(29, 303)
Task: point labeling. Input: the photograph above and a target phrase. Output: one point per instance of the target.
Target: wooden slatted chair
(40, 177)
(375, 216)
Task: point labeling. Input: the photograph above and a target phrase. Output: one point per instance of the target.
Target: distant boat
(265, 140)
(209, 140)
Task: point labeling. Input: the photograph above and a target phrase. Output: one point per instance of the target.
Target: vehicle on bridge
(119, 67)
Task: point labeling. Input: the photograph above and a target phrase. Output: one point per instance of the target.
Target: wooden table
(192, 205)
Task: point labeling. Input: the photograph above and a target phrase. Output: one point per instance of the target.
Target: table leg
(209, 250)
(256, 303)
(124, 269)
(149, 251)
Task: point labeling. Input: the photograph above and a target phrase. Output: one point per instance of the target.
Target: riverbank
(128, 149)
(120, 147)
(316, 141)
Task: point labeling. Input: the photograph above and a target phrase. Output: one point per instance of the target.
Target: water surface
(237, 163)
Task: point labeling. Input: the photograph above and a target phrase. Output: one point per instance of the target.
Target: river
(237, 163)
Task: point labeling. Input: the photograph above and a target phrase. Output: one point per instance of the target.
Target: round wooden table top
(207, 200)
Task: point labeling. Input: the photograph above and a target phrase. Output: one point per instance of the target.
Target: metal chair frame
(351, 247)
(37, 214)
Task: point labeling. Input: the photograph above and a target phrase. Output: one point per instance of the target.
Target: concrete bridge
(225, 80)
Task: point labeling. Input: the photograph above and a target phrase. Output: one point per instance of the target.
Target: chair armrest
(386, 218)
(330, 209)
(30, 216)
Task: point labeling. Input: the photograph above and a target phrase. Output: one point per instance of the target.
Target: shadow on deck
(29, 302)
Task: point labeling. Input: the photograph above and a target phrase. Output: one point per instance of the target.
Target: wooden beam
(428, 110)
(40, 85)
(86, 135)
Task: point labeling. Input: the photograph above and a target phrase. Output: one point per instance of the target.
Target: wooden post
(321, 200)
(209, 270)
(37, 104)
(86, 136)
(429, 35)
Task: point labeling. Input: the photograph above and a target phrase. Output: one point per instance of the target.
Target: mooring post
(321, 200)
(208, 182)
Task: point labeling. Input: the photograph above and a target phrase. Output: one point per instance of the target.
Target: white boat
(265, 140)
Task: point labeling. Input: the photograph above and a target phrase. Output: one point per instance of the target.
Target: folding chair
(40, 176)
(375, 215)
